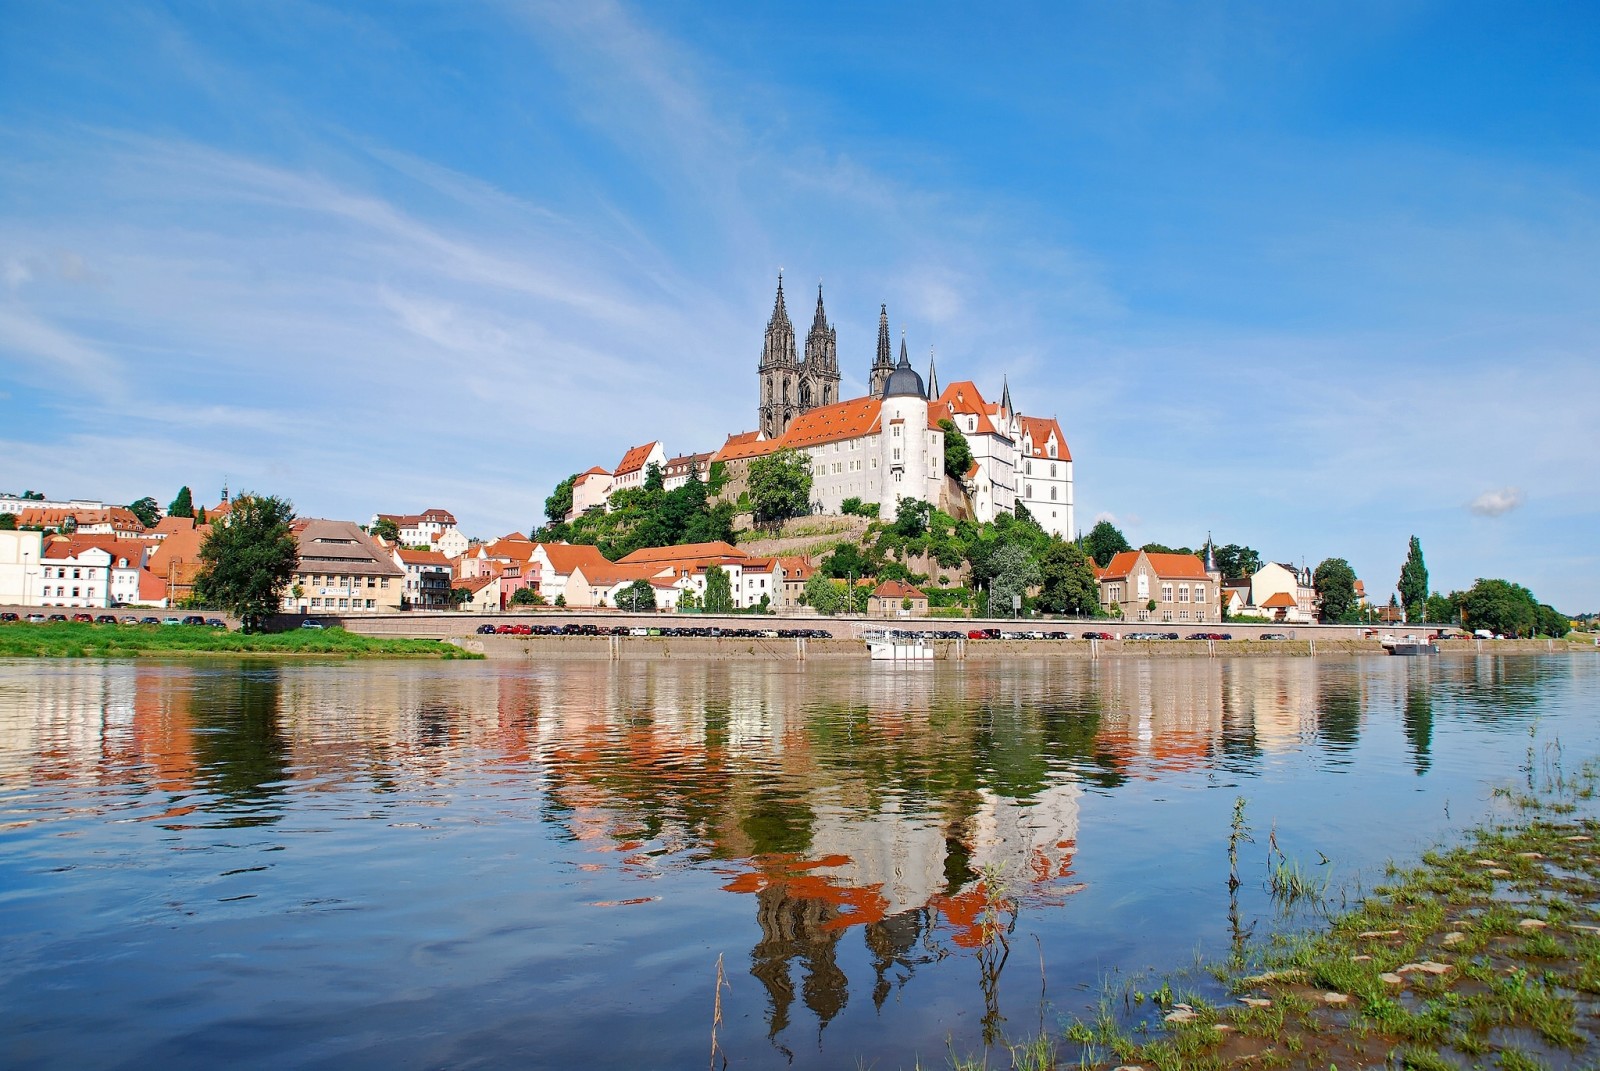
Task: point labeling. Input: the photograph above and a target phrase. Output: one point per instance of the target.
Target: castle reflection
(891, 806)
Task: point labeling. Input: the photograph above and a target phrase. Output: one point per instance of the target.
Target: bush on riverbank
(72, 639)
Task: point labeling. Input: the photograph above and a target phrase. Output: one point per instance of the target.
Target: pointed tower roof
(933, 376)
(780, 314)
(820, 321)
(1005, 395)
(904, 381)
(883, 336)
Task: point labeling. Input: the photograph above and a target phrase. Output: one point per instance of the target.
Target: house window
(74, 593)
(1144, 615)
(897, 431)
(1144, 587)
(371, 604)
(77, 574)
(1052, 452)
(344, 604)
(897, 453)
(1028, 491)
(1052, 468)
(1166, 615)
(1166, 592)
(1027, 468)
(1183, 615)
(1052, 491)
(316, 600)
(1183, 592)
(1199, 593)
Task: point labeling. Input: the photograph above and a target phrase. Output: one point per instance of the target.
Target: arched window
(1052, 494)
(1029, 492)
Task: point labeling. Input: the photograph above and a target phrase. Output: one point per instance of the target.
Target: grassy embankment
(1485, 955)
(80, 640)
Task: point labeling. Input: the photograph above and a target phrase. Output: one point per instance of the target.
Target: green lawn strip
(1478, 956)
(72, 639)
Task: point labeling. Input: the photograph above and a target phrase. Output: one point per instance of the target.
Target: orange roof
(682, 552)
(831, 423)
(1038, 430)
(422, 557)
(797, 568)
(1166, 566)
(72, 546)
(567, 557)
(634, 459)
(963, 397)
(169, 525)
(1280, 599)
(515, 546)
(746, 444)
(177, 548)
(606, 574)
(896, 589)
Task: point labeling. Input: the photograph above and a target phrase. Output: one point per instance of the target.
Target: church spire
(780, 314)
(933, 377)
(820, 321)
(883, 364)
(1005, 397)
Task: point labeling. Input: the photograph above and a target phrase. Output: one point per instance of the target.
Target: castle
(884, 448)
(889, 445)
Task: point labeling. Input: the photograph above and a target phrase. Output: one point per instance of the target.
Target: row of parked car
(113, 619)
(520, 629)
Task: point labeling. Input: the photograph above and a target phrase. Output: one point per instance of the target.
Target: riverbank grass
(1485, 955)
(71, 639)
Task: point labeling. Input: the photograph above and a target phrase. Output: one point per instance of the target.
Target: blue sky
(1312, 277)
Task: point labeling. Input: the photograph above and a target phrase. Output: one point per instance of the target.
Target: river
(418, 865)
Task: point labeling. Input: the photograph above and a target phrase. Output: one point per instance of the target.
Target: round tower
(904, 437)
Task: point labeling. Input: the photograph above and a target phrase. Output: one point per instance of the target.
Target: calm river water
(401, 865)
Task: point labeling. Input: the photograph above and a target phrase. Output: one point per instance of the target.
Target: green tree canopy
(1235, 562)
(780, 487)
(1501, 607)
(849, 560)
(911, 519)
(1335, 582)
(147, 510)
(386, 528)
(526, 597)
(183, 505)
(559, 504)
(957, 451)
(1067, 584)
(823, 595)
(1104, 541)
(638, 597)
(247, 560)
(719, 591)
(1414, 583)
(8, 522)
(1013, 572)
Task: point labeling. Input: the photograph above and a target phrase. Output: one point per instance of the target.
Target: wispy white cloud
(1497, 503)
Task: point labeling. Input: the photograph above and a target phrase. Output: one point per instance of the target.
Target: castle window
(1052, 468)
(1027, 468)
(1051, 450)
(1028, 491)
(1166, 592)
(1052, 494)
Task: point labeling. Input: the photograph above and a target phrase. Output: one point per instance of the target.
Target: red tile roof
(635, 459)
(896, 589)
(832, 423)
(746, 444)
(963, 397)
(566, 557)
(422, 557)
(1039, 429)
(682, 552)
(1166, 566)
(1280, 599)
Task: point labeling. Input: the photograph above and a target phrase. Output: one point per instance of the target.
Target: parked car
(1273, 636)
(194, 619)
(8, 616)
(106, 619)
(129, 619)
(57, 617)
(1098, 636)
(486, 630)
(312, 624)
(83, 618)
(171, 621)
(149, 621)
(216, 622)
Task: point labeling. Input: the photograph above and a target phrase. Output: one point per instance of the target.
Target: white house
(1045, 482)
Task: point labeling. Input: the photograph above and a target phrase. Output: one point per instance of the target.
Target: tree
(1104, 541)
(1014, 572)
(637, 596)
(654, 478)
(183, 505)
(526, 597)
(1335, 582)
(248, 560)
(1414, 583)
(911, 518)
(780, 487)
(719, 591)
(1235, 562)
(559, 504)
(459, 597)
(1502, 607)
(1441, 610)
(146, 510)
(8, 522)
(1067, 584)
(824, 595)
(386, 528)
(957, 451)
(849, 560)
(200, 517)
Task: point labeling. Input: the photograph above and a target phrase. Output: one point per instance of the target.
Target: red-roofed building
(991, 482)
(630, 471)
(590, 490)
(1283, 593)
(895, 598)
(429, 579)
(1044, 484)
(1163, 588)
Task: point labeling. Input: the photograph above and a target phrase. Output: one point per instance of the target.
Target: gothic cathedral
(790, 387)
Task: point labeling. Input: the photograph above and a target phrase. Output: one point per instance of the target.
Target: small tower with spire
(883, 363)
(933, 378)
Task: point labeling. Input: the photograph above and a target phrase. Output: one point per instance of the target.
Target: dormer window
(1052, 449)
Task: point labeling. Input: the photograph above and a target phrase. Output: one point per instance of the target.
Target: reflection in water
(880, 824)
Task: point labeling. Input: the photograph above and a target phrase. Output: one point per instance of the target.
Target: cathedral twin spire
(790, 387)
